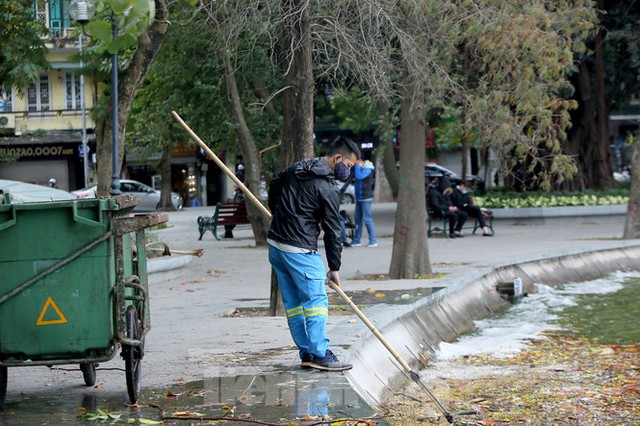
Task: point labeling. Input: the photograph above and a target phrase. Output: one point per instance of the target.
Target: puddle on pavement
(374, 297)
(277, 398)
(362, 298)
(58, 409)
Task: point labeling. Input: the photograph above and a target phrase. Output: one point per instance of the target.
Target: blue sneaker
(329, 363)
(305, 360)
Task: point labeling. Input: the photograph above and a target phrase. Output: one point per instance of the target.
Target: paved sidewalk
(193, 339)
(234, 274)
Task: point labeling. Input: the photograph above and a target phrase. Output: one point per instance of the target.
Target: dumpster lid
(23, 192)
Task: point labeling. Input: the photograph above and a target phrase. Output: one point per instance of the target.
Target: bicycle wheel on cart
(89, 373)
(3, 384)
(133, 354)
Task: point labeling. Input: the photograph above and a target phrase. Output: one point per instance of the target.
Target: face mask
(342, 172)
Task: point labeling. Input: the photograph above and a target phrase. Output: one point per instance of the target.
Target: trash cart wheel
(89, 373)
(132, 355)
(3, 384)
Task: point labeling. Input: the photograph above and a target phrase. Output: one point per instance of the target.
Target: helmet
(52, 182)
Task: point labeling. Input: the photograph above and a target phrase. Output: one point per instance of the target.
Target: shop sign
(35, 152)
(81, 150)
(183, 149)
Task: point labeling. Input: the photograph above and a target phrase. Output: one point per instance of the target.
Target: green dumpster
(73, 284)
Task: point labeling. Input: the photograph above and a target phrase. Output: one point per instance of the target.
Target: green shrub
(496, 198)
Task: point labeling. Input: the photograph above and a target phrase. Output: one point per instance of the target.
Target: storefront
(198, 180)
(37, 161)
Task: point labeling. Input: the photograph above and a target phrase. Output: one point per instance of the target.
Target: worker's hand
(333, 276)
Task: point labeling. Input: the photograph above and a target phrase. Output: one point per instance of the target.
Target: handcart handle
(9, 223)
(85, 220)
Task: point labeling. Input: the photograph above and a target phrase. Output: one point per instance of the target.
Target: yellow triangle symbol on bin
(51, 304)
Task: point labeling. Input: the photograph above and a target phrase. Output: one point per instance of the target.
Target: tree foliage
(130, 18)
(137, 65)
(187, 77)
(621, 20)
(194, 91)
(607, 80)
(499, 68)
(22, 50)
(513, 68)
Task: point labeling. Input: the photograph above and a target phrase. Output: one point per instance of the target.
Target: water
(611, 318)
(606, 309)
(277, 398)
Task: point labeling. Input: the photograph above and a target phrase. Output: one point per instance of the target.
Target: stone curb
(419, 327)
(559, 212)
(167, 263)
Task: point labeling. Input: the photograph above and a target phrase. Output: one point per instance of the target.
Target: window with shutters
(38, 95)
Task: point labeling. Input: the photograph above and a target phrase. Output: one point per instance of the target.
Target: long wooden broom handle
(414, 375)
(267, 213)
(370, 325)
(223, 166)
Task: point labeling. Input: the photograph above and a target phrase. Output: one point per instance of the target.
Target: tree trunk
(464, 140)
(604, 173)
(273, 137)
(588, 138)
(410, 256)
(260, 89)
(148, 45)
(584, 136)
(382, 192)
(632, 223)
(259, 223)
(165, 178)
(297, 106)
(297, 100)
(473, 161)
(275, 299)
(389, 178)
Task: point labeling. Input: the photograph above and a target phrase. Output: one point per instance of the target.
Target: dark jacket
(459, 199)
(364, 182)
(303, 199)
(439, 202)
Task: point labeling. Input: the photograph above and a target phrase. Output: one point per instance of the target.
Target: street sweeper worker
(305, 200)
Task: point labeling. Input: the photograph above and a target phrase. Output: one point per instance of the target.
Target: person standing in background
(343, 218)
(363, 172)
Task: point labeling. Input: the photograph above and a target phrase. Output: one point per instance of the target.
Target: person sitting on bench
(462, 199)
(442, 206)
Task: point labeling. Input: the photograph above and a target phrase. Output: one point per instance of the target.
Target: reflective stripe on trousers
(301, 277)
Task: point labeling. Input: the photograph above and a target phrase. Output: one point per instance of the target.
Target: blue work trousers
(363, 216)
(301, 278)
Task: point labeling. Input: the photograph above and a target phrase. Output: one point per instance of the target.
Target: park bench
(441, 224)
(227, 213)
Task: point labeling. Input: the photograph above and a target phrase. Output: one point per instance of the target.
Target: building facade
(41, 126)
